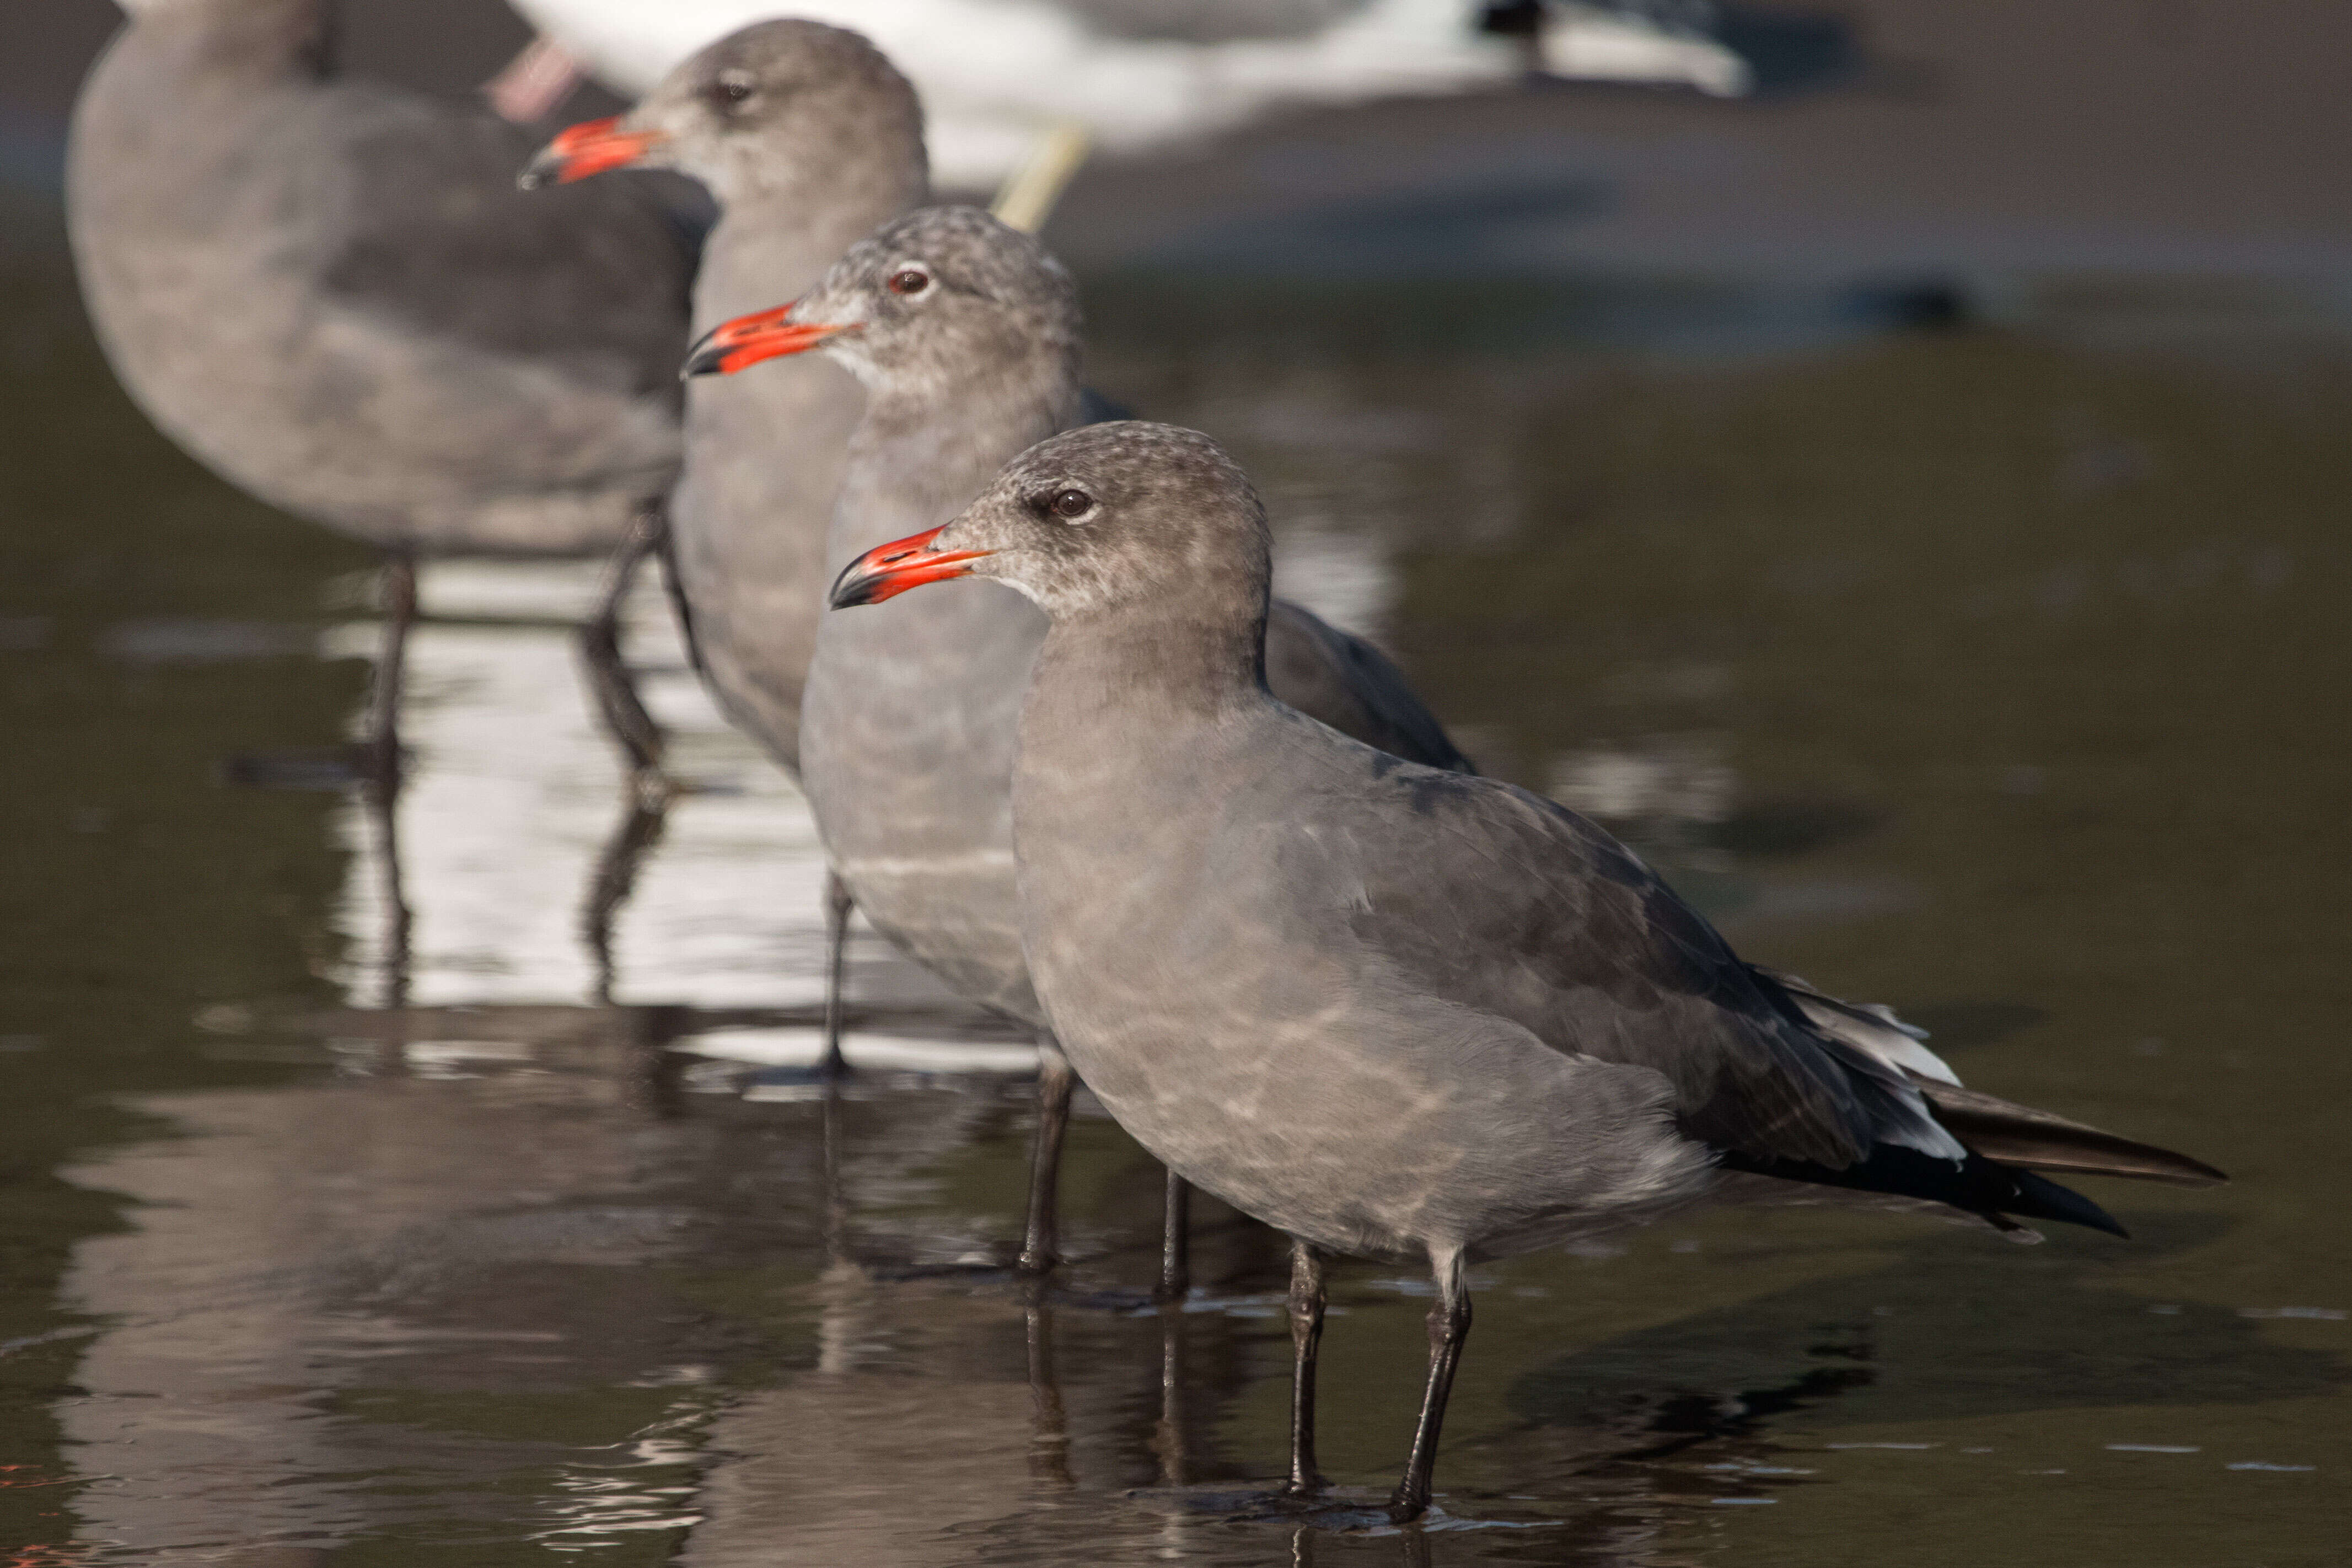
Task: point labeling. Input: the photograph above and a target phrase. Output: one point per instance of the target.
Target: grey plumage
(331, 293)
(806, 138)
(910, 717)
(1396, 1011)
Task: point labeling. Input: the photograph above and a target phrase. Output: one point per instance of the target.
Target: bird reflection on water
(500, 1264)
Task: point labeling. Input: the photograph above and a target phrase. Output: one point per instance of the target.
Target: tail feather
(1993, 1192)
(1867, 1026)
(2035, 1139)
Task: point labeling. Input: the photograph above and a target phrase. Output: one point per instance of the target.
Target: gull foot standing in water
(1395, 1011)
(966, 335)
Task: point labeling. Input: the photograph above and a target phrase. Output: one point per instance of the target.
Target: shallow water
(1994, 673)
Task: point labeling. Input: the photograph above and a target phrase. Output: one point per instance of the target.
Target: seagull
(1396, 1011)
(966, 336)
(330, 292)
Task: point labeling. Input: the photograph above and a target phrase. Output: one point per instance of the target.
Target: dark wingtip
(2039, 1197)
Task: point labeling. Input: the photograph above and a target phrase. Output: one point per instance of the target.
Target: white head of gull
(1395, 1011)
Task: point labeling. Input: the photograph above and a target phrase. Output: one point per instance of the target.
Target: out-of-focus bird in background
(330, 292)
(995, 74)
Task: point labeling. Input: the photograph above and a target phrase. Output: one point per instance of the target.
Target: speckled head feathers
(948, 300)
(1118, 517)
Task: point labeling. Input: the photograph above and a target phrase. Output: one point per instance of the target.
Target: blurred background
(1905, 496)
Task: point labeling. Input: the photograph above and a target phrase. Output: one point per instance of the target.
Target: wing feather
(1495, 898)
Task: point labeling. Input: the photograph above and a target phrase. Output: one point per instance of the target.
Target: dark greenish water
(1996, 673)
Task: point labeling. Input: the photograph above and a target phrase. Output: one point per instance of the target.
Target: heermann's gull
(806, 137)
(1395, 1011)
(966, 335)
(330, 292)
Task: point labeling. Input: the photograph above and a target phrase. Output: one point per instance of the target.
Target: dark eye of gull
(1071, 505)
(731, 89)
(911, 281)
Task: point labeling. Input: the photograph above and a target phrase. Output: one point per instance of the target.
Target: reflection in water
(530, 875)
(1941, 708)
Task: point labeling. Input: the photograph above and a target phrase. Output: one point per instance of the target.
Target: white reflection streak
(1346, 578)
(513, 789)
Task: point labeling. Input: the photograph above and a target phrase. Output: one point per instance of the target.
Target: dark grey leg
(666, 549)
(1306, 1301)
(837, 905)
(1176, 1242)
(1042, 1237)
(623, 712)
(384, 700)
(1449, 1326)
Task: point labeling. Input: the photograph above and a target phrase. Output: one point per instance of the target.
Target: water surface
(1995, 673)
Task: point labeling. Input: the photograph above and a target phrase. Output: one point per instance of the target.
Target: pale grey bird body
(1396, 1011)
(806, 138)
(330, 292)
(967, 336)
(907, 738)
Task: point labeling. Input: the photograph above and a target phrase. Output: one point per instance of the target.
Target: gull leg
(837, 905)
(1449, 1326)
(1042, 1237)
(1308, 1296)
(617, 702)
(1176, 1242)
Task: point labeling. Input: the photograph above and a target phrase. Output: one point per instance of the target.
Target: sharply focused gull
(1396, 1011)
(995, 74)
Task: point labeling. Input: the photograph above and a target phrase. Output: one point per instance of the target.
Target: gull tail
(2035, 1139)
(1998, 1195)
(2009, 1146)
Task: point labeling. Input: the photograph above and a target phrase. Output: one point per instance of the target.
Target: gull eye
(912, 281)
(1070, 505)
(731, 88)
